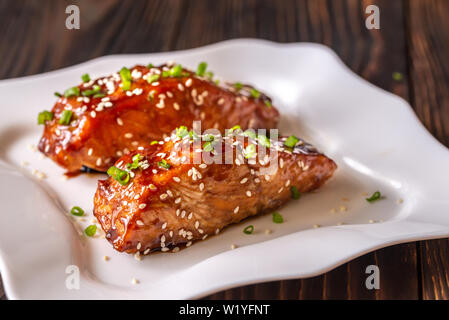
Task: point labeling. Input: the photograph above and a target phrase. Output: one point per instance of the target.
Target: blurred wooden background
(413, 41)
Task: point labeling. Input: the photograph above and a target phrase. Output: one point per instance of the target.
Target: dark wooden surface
(413, 40)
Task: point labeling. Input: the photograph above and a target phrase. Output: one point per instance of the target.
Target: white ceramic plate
(373, 136)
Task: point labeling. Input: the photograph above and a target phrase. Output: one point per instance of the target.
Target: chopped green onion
(95, 89)
(99, 95)
(150, 65)
(44, 116)
(238, 85)
(163, 164)
(77, 211)
(135, 164)
(209, 75)
(74, 91)
(125, 74)
(182, 131)
(397, 76)
(250, 151)
(90, 230)
(66, 116)
(208, 137)
(250, 133)
(268, 103)
(277, 218)
(193, 135)
(234, 128)
(58, 94)
(255, 93)
(154, 142)
(151, 95)
(152, 78)
(85, 77)
(249, 229)
(119, 175)
(217, 82)
(295, 193)
(291, 141)
(201, 70)
(176, 71)
(263, 140)
(376, 196)
(208, 146)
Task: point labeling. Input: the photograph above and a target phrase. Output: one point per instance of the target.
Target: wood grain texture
(33, 40)
(429, 71)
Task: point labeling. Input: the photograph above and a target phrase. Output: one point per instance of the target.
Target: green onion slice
(59, 95)
(135, 164)
(277, 218)
(85, 77)
(201, 70)
(249, 229)
(182, 131)
(77, 211)
(72, 92)
(295, 193)
(250, 151)
(238, 85)
(125, 74)
(376, 196)
(268, 103)
(250, 133)
(208, 146)
(152, 78)
(119, 175)
(163, 164)
(291, 141)
(150, 65)
(90, 230)
(66, 116)
(176, 71)
(95, 89)
(263, 140)
(254, 93)
(154, 142)
(44, 116)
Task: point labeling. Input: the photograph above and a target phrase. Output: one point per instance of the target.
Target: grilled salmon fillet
(173, 193)
(96, 122)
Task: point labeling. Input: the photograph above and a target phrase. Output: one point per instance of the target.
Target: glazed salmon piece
(172, 198)
(98, 121)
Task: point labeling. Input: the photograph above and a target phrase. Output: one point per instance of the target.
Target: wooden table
(413, 40)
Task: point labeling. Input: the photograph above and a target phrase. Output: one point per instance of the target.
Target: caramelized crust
(104, 128)
(162, 209)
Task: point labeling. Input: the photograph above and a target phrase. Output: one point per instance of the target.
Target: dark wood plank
(374, 55)
(429, 70)
(34, 38)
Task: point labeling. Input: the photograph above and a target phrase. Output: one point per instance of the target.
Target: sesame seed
(90, 151)
(176, 106)
(134, 281)
(175, 249)
(137, 256)
(267, 231)
(188, 82)
(221, 101)
(233, 246)
(165, 249)
(217, 231)
(128, 135)
(183, 213)
(139, 245)
(176, 179)
(188, 244)
(98, 163)
(281, 189)
(236, 209)
(163, 238)
(180, 87)
(190, 215)
(139, 223)
(201, 186)
(248, 193)
(197, 224)
(371, 221)
(105, 258)
(203, 166)
(178, 200)
(287, 183)
(142, 205)
(146, 251)
(281, 163)
(204, 237)
(170, 194)
(152, 187)
(164, 225)
(163, 196)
